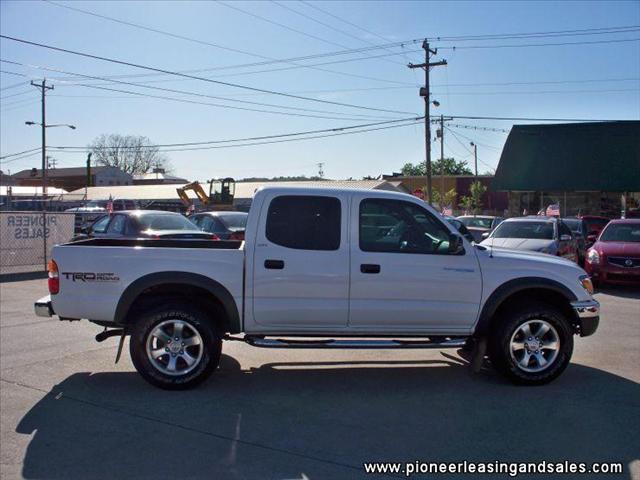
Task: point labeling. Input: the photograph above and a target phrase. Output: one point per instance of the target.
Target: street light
(44, 164)
(72, 127)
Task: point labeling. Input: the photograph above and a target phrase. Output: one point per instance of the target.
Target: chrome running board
(439, 342)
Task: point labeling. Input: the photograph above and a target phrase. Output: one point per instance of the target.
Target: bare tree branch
(130, 153)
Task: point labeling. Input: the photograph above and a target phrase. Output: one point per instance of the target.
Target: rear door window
(304, 222)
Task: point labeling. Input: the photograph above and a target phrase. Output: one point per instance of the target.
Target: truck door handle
(369, 268)
(274, 264)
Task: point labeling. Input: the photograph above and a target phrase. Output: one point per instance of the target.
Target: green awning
(602, 156)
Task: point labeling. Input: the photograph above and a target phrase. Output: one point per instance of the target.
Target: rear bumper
(43, 307)
(588, 316)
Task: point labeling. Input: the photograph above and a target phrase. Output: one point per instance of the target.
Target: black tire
(509, 326)
(208, 349)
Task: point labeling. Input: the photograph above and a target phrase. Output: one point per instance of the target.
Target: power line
(388, 127)
(20, 153)
(266, 137)
(13, 86)
(218, 82)
(281, 25)
(202, 42)
(358, 128)
(13, 73)
(526, 119)
(185, 92)
(516, 45)
(543, 92)
(475, 127)
(253, 72)
(466, 148)
(331, 27)
(479, 143)
(16, 94)
(556, 33)
(22, 157)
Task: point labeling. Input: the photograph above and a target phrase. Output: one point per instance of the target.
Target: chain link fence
(27, 237)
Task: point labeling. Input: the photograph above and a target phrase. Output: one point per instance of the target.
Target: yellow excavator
(220, 196)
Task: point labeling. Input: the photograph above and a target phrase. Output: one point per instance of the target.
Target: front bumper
(588, 316)
(43, 307)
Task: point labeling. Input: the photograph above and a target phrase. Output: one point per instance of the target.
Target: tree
(448, 199)
(445, 166)
(130, 153)
(473, 202)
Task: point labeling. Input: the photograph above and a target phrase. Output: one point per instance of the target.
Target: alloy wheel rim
(534, 346)
(174, 347)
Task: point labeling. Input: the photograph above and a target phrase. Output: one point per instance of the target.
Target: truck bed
(94, 273)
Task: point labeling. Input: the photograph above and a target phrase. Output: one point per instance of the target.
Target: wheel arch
(526, 288)
(203, 291)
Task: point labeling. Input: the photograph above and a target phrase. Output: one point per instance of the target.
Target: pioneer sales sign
(23, 236)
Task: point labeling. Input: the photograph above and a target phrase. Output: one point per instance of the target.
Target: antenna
(491, 249)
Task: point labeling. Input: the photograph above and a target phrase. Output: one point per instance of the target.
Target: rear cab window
(305, 222)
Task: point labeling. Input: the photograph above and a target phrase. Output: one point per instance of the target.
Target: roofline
(330, 190)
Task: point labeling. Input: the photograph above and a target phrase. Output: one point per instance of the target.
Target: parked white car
(350, 268)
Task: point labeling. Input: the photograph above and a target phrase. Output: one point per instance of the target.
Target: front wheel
(532, 345)
(175, 347)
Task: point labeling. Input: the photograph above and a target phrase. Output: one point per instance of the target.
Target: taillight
(214, 237)
(54, 278)
(239, 236)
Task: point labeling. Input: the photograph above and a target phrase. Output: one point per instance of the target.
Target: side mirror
(485, 235)
(85, 230)
(456, 245)
(565, 238)
(592, 237)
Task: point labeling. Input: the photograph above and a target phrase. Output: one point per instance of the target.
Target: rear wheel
(532, 345)
(175, 347)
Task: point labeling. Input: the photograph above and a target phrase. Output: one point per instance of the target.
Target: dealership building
(586, 168)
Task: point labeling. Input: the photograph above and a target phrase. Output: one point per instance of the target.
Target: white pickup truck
(324, 268)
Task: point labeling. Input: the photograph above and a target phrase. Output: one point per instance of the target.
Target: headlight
(593, 257)
(585, 281)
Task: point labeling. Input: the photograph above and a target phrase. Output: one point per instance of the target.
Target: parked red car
(615, 257)
(595, 224)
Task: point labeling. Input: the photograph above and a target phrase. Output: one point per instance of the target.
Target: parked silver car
(480, 224)
(536, 234)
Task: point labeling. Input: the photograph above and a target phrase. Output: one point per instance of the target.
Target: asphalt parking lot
(69, 412)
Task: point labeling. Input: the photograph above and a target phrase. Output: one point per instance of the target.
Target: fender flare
(133, 291)
(507, 289)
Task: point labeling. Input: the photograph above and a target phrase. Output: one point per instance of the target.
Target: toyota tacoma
(324, 268)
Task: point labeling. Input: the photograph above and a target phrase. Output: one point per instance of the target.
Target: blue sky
(587, 80)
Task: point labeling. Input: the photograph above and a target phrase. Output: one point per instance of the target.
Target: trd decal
(91, 277)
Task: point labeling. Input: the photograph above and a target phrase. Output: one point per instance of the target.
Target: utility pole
(320, 170)
(475, 157)
(442, 159)
(51, 162)
(425, 92)
(88, 182)
(43, 88)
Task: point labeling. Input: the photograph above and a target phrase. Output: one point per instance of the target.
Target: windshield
(164, 222)
(476, 222)
(621, 232)
(537, 230)
(234, 221)
(96, 204)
